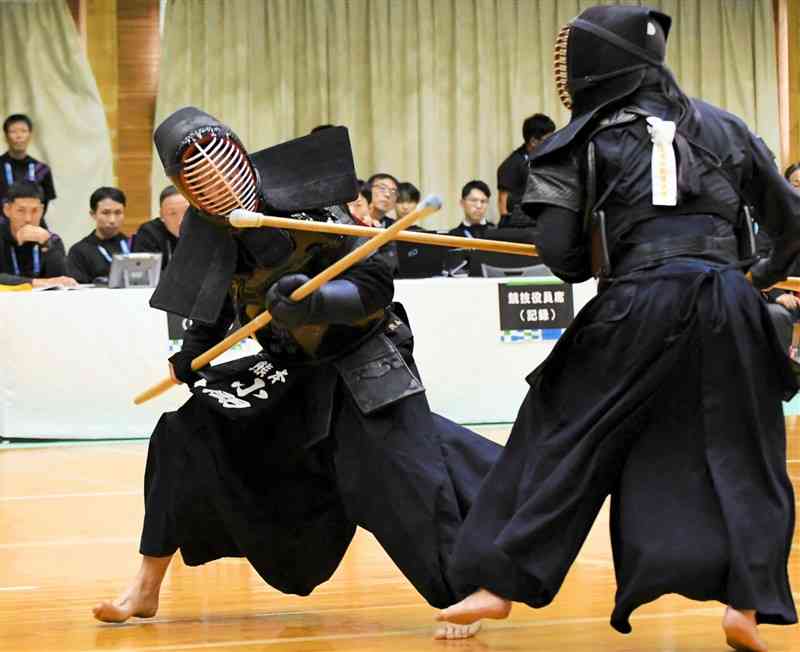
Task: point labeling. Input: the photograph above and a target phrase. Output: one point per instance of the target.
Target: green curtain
(45, 74)
(433, 91)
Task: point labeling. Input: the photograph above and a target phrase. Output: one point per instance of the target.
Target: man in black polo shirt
(16, 165)
(474, 202)
(29, 253)
(512, 175)
(90, 259)
(160, 235)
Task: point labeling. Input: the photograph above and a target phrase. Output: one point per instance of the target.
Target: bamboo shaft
(248, 219)
(791, 283)
(429, 206)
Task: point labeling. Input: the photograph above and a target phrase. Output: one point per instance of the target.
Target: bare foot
(741, 632)
(136, 601)
(451, 631)
(481, 604)
(141, 598)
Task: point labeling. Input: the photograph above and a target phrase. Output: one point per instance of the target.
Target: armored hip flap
(377, 375)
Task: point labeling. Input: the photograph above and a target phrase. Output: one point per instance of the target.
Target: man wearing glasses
(474, 202)
(384, 197)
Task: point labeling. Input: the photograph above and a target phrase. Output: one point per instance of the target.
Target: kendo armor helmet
(207, 162)
(215, 173)
(601, 57)
(603, 54)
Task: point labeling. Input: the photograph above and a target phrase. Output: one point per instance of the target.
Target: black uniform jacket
(90, 258)
(27, 169)
(471, 231)
(154, 237)
(52, 258)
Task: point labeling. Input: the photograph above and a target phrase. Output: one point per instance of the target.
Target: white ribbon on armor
(663, 165)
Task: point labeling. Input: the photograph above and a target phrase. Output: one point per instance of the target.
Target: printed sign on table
(530, 309)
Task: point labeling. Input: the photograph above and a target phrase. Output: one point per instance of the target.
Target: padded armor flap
(556, 183)
(309, 172)
(377, 375)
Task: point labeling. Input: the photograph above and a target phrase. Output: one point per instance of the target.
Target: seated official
(359, 207)
(783, 305)
(89, 260)
(407, 199)
(382, 188)
(792, 175)
(474, 202)
(160, 235)
(29, 252)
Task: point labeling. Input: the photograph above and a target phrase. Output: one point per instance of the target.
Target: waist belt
(718, 250)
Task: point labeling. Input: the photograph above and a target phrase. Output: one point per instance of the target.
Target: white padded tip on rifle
(663, 165)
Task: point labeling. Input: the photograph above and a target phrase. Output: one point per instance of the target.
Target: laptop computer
(139, 270)
(419, 260)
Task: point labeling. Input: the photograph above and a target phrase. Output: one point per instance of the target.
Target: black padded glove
(763, 276)
(182, 364)
(336, 302)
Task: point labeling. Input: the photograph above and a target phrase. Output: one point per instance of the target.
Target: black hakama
(218, 487)
(665, 393)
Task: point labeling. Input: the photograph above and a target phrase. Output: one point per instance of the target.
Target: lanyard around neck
(37, 261)
(10, 173)
(123, 245)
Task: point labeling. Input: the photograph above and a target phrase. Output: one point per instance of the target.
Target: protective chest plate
(312, 253)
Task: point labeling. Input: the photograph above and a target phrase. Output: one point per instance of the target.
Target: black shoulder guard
(310, 172)
(556, 182)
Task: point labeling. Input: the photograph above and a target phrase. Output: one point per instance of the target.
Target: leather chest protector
(312, 253)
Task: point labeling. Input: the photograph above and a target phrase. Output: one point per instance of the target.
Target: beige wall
(787, 24)
(122, 44)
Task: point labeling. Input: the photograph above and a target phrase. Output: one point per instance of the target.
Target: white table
(72, 361)
(471, 376)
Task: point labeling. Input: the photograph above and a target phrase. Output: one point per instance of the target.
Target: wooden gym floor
(69, 526)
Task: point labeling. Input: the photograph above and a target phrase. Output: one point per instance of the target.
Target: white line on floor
(138, 452)
(18, 588)
(68, 542)
(87, 494)
(714, 612)
(287, 614)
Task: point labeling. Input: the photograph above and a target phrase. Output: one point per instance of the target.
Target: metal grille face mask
(595, 52)
(217, 174)
(560, 68)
